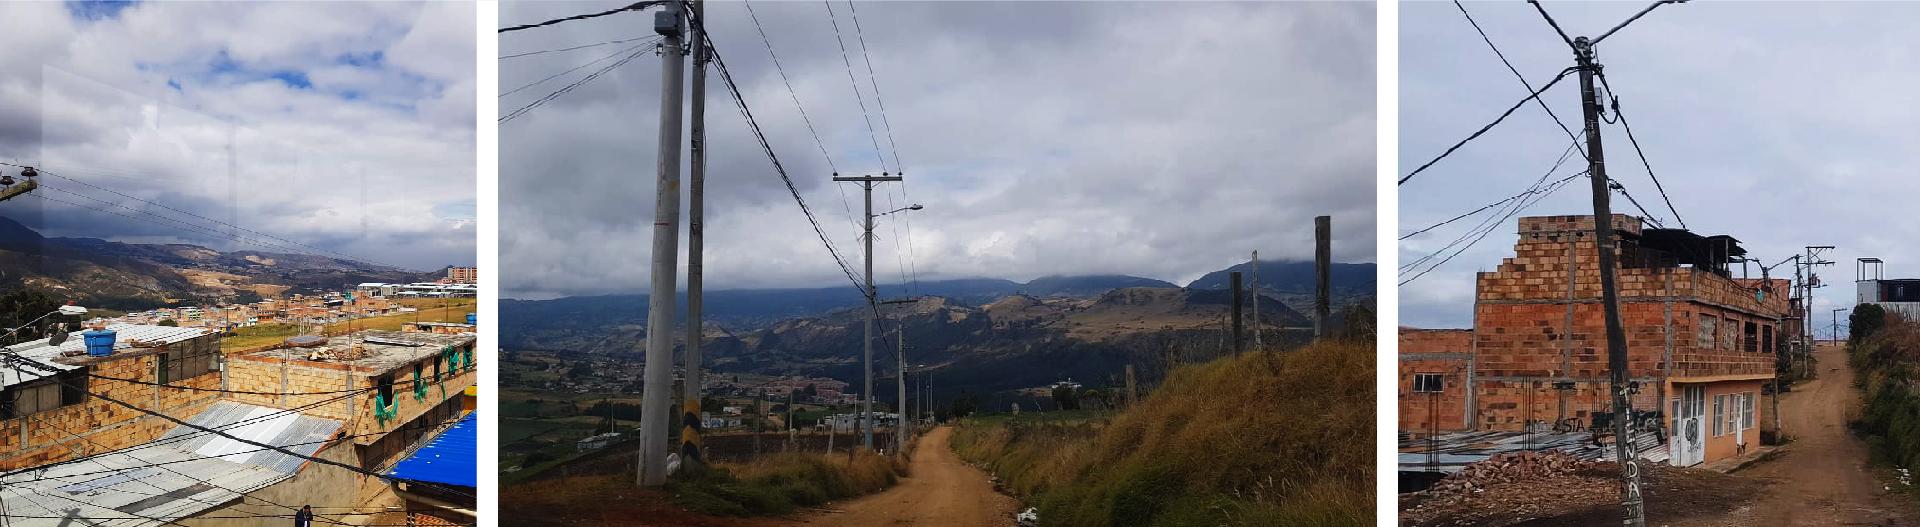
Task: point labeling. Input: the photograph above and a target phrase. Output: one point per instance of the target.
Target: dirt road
(1822, 477)
(943, 491)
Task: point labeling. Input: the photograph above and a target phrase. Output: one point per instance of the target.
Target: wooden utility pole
(873, 308)
(1254, 285)
(1233, 281)
(1630, 498)
(1132, 391)
(690, 431)
(759, 420)
(900, 412)
(657, 376)
(1322, 270)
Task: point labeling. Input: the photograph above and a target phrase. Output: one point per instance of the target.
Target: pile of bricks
(1512, 467)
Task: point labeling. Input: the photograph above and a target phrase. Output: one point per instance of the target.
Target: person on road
(304, 518)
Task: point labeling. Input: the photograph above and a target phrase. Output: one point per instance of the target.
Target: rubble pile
(1510, 467)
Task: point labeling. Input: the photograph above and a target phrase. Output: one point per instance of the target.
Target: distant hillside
(140, 276)
(1293, 282)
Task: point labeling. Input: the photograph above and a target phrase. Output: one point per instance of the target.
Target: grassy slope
(1264, 439)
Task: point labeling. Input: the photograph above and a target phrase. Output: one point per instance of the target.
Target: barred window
(1427, 383)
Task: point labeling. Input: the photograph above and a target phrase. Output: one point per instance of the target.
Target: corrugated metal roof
(168, 481)
(124, 336)
(1447, 453)
(451, 459)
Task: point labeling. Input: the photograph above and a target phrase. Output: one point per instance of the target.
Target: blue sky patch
(97, 9)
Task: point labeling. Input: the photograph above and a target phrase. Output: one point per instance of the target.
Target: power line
(1615, 185)
(783, 78)
(873, 80)
(1493, 221)
(636, 6)
(1476, 134)
(1516, 73)
(1483, 234)
(1636, 149)
(583, 46)
(569, 88)
(181, 224)
(740, 103)
(1476, 211)
(1630, 20)
(864, 115)
(654, 40)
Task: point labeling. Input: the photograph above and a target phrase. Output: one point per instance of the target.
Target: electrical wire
(636, 6)
(1516, 72)
(1476, 134)
(1642, 153)
(652, 41)
(1474, 211)
(864, 115)
(523, 110)
(740, 103)
(783, 78)
(583, 46)
(881, 101)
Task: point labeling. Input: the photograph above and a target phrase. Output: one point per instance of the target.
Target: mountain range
(984, 334)
(133, 276)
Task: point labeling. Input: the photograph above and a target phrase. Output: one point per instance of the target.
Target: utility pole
(657, 377)
(873, 308)
(696, 189)
(900, 355)
(1630, 498)
(1255, 281)
(8, 189)
(1233, 280)
(1322, 270)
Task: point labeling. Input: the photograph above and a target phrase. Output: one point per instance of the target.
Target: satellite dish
(58, 334)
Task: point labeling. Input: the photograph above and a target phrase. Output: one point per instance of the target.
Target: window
(385, 382)
(1719, 415)
(1752, 337)
(1731, 340)
(1708, 325)
(1427, 383)
(1746, 411)
(66, 389)
(1766, 338)
(189, 359)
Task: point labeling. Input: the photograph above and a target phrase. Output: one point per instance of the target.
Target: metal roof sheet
(124, 336)
(450, 459)
(170, 478)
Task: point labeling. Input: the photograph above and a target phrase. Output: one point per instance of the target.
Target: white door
(1739, 420)
(1690, 427)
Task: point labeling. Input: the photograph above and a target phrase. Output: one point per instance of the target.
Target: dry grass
(1263, 439)
(778, 483)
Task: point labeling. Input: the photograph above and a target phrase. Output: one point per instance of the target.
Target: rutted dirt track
(942, 491)
(1822, 477)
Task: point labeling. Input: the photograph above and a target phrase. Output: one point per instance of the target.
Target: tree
(1865, 320)
(21, 306)
(1063, 397)
(168, 322)
(962, 406)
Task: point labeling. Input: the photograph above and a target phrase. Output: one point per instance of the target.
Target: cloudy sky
(1781, 124)
(345, 127)
(1160, 140)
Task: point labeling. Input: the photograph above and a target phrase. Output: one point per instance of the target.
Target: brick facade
(1434, 352)
(1537, 351)
(95, 425)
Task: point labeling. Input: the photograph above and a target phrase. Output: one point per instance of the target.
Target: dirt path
(1822, 477)
(943, 491)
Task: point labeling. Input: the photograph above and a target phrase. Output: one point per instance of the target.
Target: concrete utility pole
(1233, 279)
(1254, 285)
(696, 195)
(657, 377)
(1323, 271)
(900, 355)
(873, 308)
(1630, 499)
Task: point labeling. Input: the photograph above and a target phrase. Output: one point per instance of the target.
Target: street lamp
(915, 206)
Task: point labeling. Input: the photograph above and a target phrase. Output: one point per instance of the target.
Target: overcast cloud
(351, 125)
(1153, 139)
(1781, 124)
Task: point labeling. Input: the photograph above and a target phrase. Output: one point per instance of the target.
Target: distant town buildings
(462, 275)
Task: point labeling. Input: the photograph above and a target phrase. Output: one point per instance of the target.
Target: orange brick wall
(1437, 351)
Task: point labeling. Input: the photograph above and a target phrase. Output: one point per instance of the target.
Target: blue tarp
(451, 459)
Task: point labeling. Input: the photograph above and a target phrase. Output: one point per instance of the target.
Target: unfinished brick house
(50, 418)
(1700, 343)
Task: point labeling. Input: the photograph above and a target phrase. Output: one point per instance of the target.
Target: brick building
(1700, 343)
(462, 275)
(51, 418)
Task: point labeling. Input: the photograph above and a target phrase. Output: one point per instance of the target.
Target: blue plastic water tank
(472, 319)
(99, 342)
